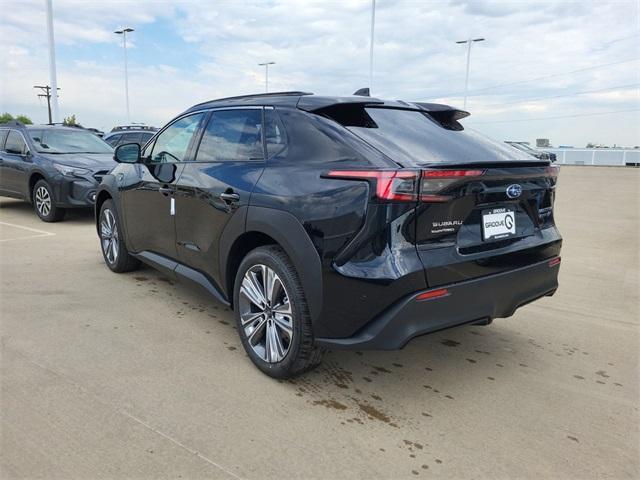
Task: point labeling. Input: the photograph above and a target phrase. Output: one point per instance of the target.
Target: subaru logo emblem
(514, 191)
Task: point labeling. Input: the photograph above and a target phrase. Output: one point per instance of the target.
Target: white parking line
(38, 233)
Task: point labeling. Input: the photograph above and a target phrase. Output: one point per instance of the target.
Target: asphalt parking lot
(113, 376)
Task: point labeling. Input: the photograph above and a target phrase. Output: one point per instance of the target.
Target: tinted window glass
(15, 143)
(412, 138)
(172, 144)
(113, 141)
(273, 132)
(129, 138)
(3, 136)
(145, 138)
(52, 140)
(232, 135)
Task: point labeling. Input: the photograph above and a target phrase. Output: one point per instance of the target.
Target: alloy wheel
(43, 201)
(109, 236)
(265, 313)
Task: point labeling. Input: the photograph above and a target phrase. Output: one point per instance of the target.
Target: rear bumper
(477, 300)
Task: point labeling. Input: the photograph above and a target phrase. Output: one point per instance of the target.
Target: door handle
(229, 197)
(166, 191)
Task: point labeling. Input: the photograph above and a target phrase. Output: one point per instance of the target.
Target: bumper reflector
(554, 261)
(442, 292)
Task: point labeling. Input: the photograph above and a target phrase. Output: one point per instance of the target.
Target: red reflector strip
(441, 292)
(554, 261)
(452, 173)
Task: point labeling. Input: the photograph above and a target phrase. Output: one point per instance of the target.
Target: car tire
(277, 336)
(44, 203)
(112, 243)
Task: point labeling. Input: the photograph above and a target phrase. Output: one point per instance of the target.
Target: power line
(559, 116)
(533, 79)
(47, 94)
(619, 87)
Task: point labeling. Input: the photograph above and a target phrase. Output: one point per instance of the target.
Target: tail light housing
(435, 183)
(409, 185)
(390, 185)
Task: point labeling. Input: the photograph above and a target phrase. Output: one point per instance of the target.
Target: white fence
(596, 156)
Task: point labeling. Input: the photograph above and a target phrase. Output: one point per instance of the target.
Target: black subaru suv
(334, 222)
(53, 167)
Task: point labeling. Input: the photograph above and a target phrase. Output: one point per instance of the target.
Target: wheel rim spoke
(250, 317)
(274, 347)
(252, 289)
(265, 313)
(43, 201)
(256, 333)
(109, 235)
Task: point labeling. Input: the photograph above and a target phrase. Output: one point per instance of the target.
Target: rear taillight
(435, 183)
(552, 172)
(393, 185)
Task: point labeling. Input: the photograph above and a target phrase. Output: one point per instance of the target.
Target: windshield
(413, 138)
(68, 141)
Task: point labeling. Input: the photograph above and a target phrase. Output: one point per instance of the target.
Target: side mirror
(127, 153)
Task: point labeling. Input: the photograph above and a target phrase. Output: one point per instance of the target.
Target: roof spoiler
(313, 103)
(444, 114)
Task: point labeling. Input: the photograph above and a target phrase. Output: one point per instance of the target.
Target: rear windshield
(413, 138)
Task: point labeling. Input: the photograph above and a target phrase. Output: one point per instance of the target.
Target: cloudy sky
(564, 70)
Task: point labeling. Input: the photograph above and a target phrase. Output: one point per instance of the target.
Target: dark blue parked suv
(53, 167)
(334, 222)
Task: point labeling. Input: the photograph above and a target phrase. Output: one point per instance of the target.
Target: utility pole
(466, 80)
(53, 109)
(47, 94)
(266, 74)
(373, 23)
(124, 32)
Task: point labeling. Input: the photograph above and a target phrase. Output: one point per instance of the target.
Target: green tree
(24, 120)
(7, 117)
(70, 121)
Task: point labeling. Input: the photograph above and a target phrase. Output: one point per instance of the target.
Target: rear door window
(232, 135)
(413, 138)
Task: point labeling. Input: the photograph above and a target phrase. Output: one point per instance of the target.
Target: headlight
(70, 171)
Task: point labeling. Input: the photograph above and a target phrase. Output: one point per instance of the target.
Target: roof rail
(293, 93)
(13, 123)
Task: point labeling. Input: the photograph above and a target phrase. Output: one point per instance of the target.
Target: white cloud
(322, 46)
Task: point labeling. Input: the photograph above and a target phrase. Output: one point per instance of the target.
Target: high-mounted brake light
(395, 185)
(435, 183)
(441, 292)
(554, 261)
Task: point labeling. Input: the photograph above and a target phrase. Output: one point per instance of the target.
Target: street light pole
(55, 111)
(124, 32)
(466, 80)
(373, 23)
(266, 74)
